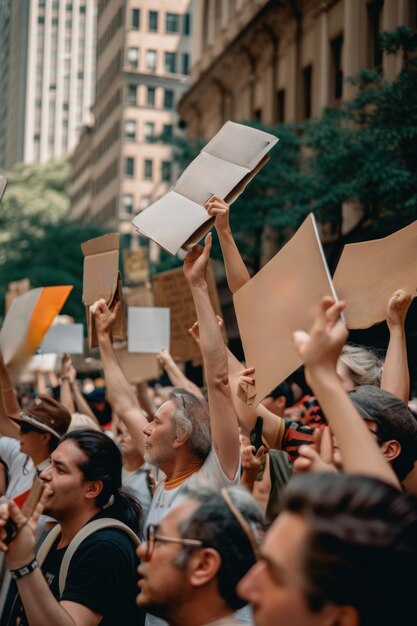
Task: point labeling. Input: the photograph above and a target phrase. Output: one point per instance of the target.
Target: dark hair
(361, 547)
(284, 389)
(103, 461)
(53, 442)
(213, 523)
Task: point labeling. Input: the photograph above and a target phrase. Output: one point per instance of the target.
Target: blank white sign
(64, 338)
(148, 329)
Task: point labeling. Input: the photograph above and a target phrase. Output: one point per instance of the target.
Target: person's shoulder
(8, 445)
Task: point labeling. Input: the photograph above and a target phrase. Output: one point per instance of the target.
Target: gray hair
(191, 417)
(364, 365)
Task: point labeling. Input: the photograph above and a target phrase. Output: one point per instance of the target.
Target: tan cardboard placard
(16, 288)
(136, 265)
(369, 272)
(171, 290)
(281, 298)
(139, 296)
(224, 168)
(137, 368)
(102, 280)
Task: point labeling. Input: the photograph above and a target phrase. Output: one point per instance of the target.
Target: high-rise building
(143, 62)
(48, 53)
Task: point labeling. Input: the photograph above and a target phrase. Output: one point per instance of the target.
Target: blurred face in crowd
(274, 586)
(160, 435)
(34, 443)
(343, 373)
(163, 584)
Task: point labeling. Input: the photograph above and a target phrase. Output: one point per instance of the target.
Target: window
(166, 171)
(281, 106)
(186, 24)
(129, 167)
(130, 129)
(133, 57)
(153, 22)
(170, 62)
(167, 132)
(168, 99)
(172, 23)
(127, 203)
(150, 97)
(41, 19)
(148, 169)
(151, 60)
(82, 8)
(148, 130)
(307, 84)
(374, 30)
(185, 68)
(135, 19)
(54, 21)
(131, 95)
(336, 82)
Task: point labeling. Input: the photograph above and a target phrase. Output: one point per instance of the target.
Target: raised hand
(195, 329)
(104, 317)
(397, 309)
(196, 261)
(316, 457)
(218, 208)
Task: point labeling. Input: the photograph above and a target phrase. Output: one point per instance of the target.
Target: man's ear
(391, 449)
(93, 488)
(180, 441)
(46, 438)
(203, 566)
(341, 615)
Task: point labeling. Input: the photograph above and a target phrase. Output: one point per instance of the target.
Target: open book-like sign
(223, 168)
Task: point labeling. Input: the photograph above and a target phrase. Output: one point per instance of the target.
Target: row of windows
(172, 22)
(151, 93)
(109, 108)
(103, 180)
(171, 64)
(148, 169)
(109, 74)
(149, 130)
(110, 31)
(81, 193)
(128, 203)
(108, 140)
(108, 212)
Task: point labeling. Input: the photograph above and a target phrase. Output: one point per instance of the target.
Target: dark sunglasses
(27, 428)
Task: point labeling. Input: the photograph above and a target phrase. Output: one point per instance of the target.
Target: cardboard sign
(148, 329)
(28, 319)
(16, 288)
(171, 290)
(223, 168)
(136, 367)
(136, 265)
(368, 273)
(139, 296)
(102, 280)
(64, 338)
(281, 298)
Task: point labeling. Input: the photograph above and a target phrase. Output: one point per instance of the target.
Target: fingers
(332, 312)
(247, 372)
(17, 515)
(301, 338)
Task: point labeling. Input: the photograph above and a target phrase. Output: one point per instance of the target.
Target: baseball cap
(46, 414)
(393, 417)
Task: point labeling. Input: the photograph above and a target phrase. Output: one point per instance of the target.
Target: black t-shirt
(102, 576)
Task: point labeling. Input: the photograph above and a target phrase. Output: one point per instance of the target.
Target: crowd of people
(190, 507)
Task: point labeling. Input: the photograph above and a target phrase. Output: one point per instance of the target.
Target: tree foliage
(38, 241)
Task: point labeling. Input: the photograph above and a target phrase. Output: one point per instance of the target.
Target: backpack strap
(86, 531)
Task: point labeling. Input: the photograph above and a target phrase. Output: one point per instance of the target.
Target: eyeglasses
(152, 537)
(243, 523)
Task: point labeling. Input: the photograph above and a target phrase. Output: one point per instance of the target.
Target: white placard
(148, 329)
(60, 339)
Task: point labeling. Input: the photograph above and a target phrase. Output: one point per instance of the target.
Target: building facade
(143, 61)
(283, 61)
(49, 66)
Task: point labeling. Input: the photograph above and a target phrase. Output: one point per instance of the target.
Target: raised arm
(175, 375)
(65, 393)
(223, 419)
(320, 350)
(9, 405)
(121, 395)
(236, 272)
(395, 375)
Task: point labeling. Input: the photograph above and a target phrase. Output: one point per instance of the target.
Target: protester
(83, 484)
(193, 559)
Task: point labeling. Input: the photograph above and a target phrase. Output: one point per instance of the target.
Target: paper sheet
(64, 338)
(148, 329)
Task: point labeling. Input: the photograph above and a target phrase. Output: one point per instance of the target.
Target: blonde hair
(364, 365)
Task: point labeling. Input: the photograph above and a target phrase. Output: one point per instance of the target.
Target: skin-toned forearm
(121, 395)
(179, 379)
(9, 405)
(81, 403)
(236, 271)
(224, 424)
(145, 400)
(65, 395)
(247, 414)
(395, 374)
(33, 587)
(358, 449)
